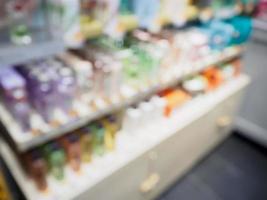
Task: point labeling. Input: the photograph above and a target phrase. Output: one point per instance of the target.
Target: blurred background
(136, 99)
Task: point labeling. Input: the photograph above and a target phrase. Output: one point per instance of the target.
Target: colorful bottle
(112, 126)
(37, 168)
(15, 96)
(56, 160)
(98, 138)
(174, 99)
(19, 13)
(214, 77)
(72, 148)
(86, 144)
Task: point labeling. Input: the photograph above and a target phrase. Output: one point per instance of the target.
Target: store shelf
(129, 147)
(13, 55)
(260, 24)
(226, 13)
(25, 141)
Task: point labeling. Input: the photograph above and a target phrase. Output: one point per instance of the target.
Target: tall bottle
(72, 148)
(98, 138)
(15, 96)
(66, 88)
(86, 144)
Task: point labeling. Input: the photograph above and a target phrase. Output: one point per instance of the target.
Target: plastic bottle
(86, 144)
(37, 168)
(56, 159)
(72, 148)
(98, 131)
(15, 96)
(111, 124)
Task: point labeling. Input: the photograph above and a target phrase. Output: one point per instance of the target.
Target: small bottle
(159, 104)
(86, 145)
(72, 148)
(147, 117)
(111, 125)
(19, 13)
(174, 99)
(132, 120)
(56, 159)
(37, 168)
(214, 77)
(98, 138)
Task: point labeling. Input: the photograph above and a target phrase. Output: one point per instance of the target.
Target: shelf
(25, 141)
(13, 55)
(260, 24)
(129, 147)
(226, 13)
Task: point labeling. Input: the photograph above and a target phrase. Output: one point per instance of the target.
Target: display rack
(25, 141)
(129, 148)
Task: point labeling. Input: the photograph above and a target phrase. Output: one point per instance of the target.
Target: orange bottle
(214, 77)
(174, 99)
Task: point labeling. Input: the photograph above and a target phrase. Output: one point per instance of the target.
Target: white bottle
(131, 121)
(159, 106)
(147, 116)
(71, 23)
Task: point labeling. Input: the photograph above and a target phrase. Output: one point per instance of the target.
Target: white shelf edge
(94, 173)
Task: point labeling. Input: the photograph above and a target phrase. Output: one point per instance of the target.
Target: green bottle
(98, 138)
(56, 160)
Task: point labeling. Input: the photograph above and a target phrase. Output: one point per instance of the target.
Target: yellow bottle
(86, 145)
(4, 193)
(111, 128)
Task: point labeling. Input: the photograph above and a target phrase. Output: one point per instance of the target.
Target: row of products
(82, 19)
(20, 18)
(99, 137)
(116, 17)
(99, 73)
(73, 149)
(43, 85)
(167, 101)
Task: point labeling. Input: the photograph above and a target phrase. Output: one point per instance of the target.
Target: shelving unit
(12, 55)
(150, 156)
(26, 141)
(130, 148)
